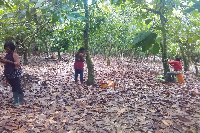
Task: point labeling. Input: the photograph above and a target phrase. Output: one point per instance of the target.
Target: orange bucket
(107, 84)
(104, 85)
(110, 83)
(180, 78)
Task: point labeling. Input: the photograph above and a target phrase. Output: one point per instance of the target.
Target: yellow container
(180, 78)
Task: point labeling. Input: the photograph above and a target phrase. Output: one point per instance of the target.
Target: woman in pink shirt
(177, 69)
(79, 64)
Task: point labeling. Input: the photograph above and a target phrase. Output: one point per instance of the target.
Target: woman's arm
(3, 60)
(171, 63)
(16, 59)
(82, 56)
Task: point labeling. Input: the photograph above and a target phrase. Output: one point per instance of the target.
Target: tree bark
(25, 51)
(195, 60)
(185, 60)
(47, 49)
(108, 54)
(58, 50)
(91, 77)
(25, 57)
(132, 55)
(197, 70)
(164, 35)
(164, 46)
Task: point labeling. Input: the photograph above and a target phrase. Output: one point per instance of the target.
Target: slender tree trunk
(104, 52)
(147, 56)
(26, 57)
(185, 60)
(197, 69)
(73, 49)
(29, 52)
(121, 53)
(108, 54)
(25, 50)
(47, 49)
(195, 60)
(91, 77)
(59, 56)
(132, 56)
(164, 46)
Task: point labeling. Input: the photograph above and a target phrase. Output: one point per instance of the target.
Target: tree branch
(156, 12)
(31, 36)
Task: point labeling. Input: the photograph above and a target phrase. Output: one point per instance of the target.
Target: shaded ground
(138, 103)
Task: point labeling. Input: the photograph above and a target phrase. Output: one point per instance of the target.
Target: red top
(79, 61)
(176, 64)
(79, 65)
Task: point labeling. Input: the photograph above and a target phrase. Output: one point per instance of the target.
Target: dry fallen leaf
(121, 111)
(194, 93)
(54, 103)
(167, 122)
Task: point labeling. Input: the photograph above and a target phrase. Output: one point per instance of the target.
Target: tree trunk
(73, 53)
(197, 70)
(104, 53)
(25, 57)
(154, 58)
(58, 50)
(29, 52)
(91, 77)
(185, 60)
(108, 54)
(164, 46)
(147, 56)
(47, 49)
(132, 56)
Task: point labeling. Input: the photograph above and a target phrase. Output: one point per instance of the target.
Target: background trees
(112, 28)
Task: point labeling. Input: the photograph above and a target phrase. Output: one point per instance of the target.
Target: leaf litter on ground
(137, 103)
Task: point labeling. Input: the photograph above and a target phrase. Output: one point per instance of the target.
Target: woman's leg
(18, 85)
(76, 74)
(12, 84)
(19, 90)
(14, 90)
(81, 75)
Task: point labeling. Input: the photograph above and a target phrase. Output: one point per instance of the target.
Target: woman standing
(12, 64)
(79, 64)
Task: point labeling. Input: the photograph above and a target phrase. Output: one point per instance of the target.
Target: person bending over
(177, 69)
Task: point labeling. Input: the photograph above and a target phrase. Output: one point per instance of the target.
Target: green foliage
(148, 21)
(117, 2)
(195, 6)
(55, 18)
(115, 21)
(156, 48)
(4, 3)
(75, 16)
(145, 39)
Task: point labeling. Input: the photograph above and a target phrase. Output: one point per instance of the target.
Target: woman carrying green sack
(12, 72)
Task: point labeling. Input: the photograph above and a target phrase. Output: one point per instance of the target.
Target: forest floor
(137, 104)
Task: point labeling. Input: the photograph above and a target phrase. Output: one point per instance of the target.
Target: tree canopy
(160, 27)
